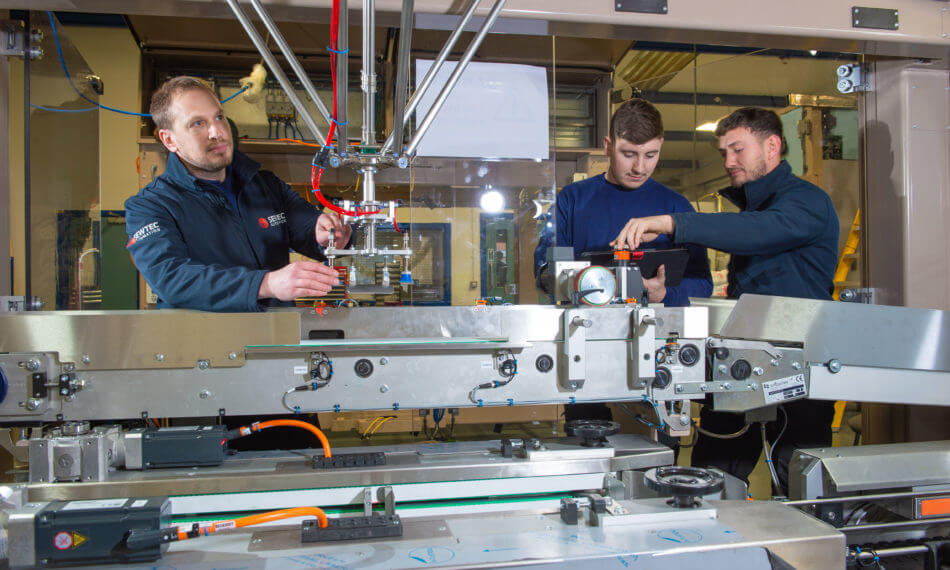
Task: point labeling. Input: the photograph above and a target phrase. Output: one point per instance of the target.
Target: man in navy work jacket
(592, 211)
(214, 232)
(784, 241)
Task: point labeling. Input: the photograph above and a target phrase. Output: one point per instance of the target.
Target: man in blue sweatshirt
(214, 231)
(591, 212)
(784, 241)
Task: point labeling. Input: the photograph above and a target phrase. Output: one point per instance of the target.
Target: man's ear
(774, 146)
(607, 142)
(168, 139)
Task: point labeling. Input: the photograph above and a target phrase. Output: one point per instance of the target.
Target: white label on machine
(302, 369)
(94, 504)
(488, 364)
(784, 389)
(139, 503)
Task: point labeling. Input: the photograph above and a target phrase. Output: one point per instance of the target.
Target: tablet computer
(675, 261)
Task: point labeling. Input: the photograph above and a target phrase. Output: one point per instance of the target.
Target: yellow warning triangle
(78, 539)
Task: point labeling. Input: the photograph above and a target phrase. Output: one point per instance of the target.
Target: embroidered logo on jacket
(273, 220)
(144, 232)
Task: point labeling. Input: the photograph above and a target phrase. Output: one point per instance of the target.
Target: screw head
(203, 364)
(680, 388)
(703, 388)
(796, 366)
(758, 371)
(684, 420)
(232, 356)
(384, 361)
(204, 394)
(383, 389)
(722, 369)
(86, 359)
(726, 386)
(160, 357)
(834, 366)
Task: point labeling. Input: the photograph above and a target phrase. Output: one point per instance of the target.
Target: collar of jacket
(243, 168)
(750, 196)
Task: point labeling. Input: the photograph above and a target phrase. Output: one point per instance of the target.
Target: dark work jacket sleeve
(564, 206)
(697, 280)
(792, 220)
(160, 254)
(301, 218)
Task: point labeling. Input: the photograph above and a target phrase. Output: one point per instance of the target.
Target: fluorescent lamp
(492, 202)
(707, 127)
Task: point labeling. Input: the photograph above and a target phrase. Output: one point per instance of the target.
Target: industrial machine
(86, 400)
(81, 394)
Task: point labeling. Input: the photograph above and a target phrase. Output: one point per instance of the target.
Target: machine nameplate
(643, 6)
(875, 18)
(784, 389)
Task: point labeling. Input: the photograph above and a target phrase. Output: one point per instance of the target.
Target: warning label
(784, 389)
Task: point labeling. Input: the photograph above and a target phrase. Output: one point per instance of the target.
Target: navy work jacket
(784, 241)
(197, 252)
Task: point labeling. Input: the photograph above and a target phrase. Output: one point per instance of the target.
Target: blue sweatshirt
(783, 242)
(591, 213)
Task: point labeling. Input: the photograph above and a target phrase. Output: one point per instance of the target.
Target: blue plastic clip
(338, 51)
(338, 123)
(479, 402)
(297, 410)
(336, 408)
(573, 400)
(396, 407)
(511, 402)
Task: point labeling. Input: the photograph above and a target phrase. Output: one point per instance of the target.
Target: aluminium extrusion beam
(454, 78)
(291, 58)
(433, 70)
(342, 76)
(275, 68)
(368, 76)
(402, 73)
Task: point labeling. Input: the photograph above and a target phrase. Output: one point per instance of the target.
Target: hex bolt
(203, 364)
(680, 388)
(86, 359)
(384, 388)
(722, 369)
(796, 366)
(684, 420)
(232, 356)
(703, 388)
(774, 362)
(753, 386)
(160, 357)
(204, 394)
(758, 371)
(32, 365)
(834, 366)
(384, 361)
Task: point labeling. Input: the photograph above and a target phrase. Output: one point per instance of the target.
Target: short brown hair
(762, 123)
(163, 96)
(637, 121)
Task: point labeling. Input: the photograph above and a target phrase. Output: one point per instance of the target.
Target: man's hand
(639, 230)
(327, 221)
(298, 279)
(656, 285)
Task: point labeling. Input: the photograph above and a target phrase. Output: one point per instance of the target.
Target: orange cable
(292, 423)
(259, 518)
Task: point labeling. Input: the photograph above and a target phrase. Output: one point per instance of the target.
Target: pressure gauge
(595, 285)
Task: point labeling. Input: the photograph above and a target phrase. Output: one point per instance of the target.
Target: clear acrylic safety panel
(64, 222)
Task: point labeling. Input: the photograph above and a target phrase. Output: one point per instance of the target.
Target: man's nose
(729, 160)
(215, 131)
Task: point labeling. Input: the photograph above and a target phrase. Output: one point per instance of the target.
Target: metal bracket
(862, 295)
(574, 348)
(14, 41)
(642, 6)
(387, 497)
(875, 18)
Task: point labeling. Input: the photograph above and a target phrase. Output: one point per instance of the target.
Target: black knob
(363, 368)
(689, 355)
(663, 377)
(741, 369)
(544, 363)
(592, 432)
(685, 484)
